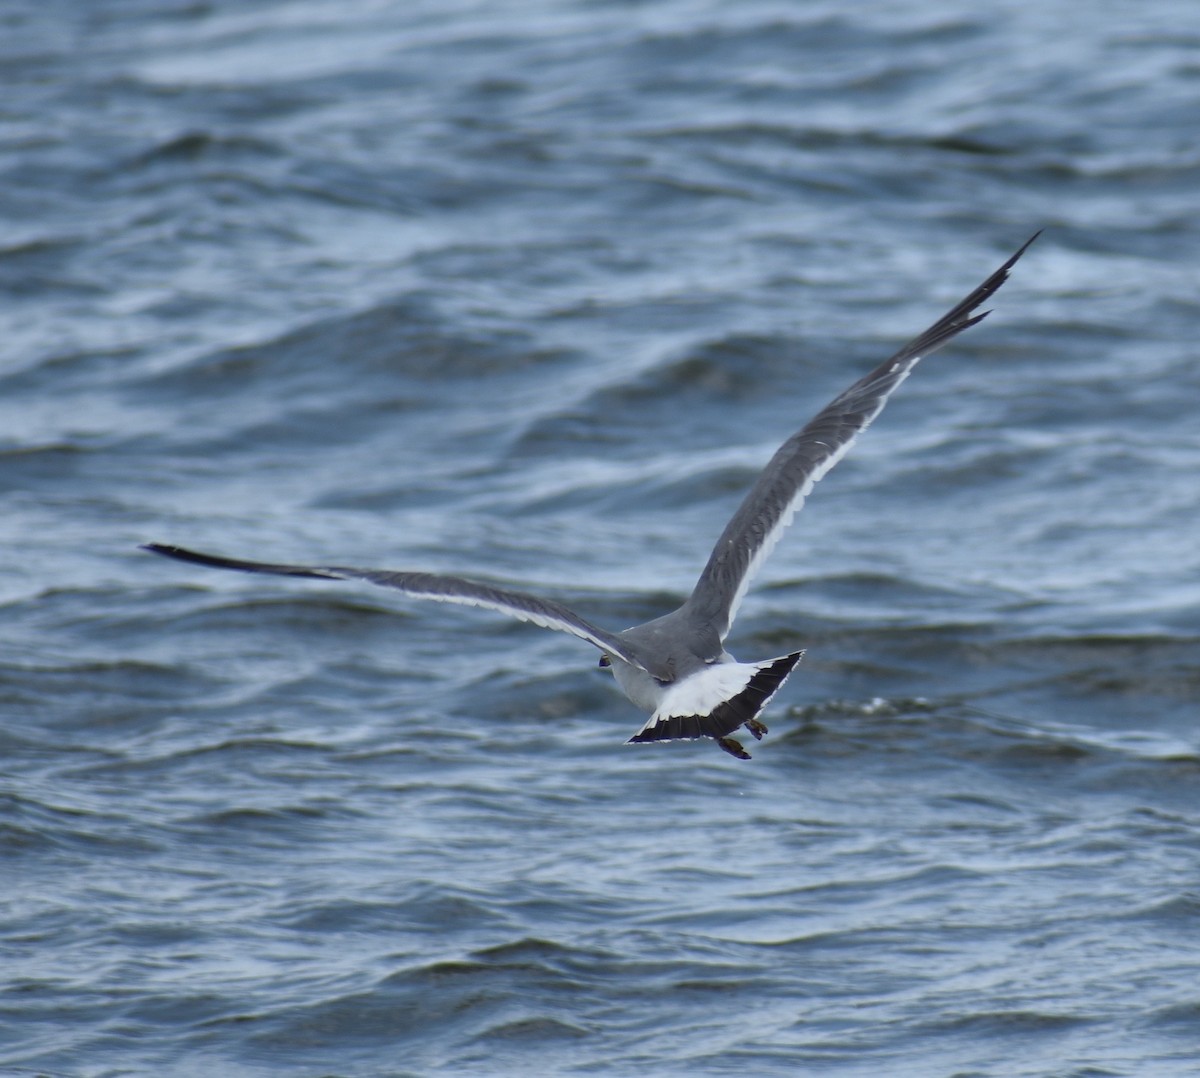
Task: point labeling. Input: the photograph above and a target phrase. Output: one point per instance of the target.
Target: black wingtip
(177, 552)
(956, 320)
(993, 283)
(215, 561)
(1020, 251)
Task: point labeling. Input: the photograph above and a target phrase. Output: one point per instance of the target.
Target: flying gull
(676, 667)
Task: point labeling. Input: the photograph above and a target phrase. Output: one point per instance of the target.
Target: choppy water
(531, 291)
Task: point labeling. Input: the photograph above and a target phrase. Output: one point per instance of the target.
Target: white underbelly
(644, 691)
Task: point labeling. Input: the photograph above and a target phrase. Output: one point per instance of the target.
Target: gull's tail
(717, 700)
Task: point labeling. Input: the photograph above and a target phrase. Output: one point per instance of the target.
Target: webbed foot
(733, 748)
(756, 728)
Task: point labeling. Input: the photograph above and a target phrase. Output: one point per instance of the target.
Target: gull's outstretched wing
(806, 456)
(442, 589)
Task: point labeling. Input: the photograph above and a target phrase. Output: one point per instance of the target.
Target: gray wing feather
(804, 458)
(443, 589)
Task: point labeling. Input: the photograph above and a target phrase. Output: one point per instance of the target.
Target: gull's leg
(733, 748)
(756, 728)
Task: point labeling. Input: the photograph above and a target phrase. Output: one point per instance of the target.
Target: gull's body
(676, 667)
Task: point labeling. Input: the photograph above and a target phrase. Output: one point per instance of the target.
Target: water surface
(531, 292)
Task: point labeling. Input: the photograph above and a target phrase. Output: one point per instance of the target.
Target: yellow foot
(733, 748)
(756, 728)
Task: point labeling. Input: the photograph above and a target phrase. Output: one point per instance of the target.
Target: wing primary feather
(808, 455)
(446, 589)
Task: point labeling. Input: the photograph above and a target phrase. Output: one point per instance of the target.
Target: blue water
(530, 292)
